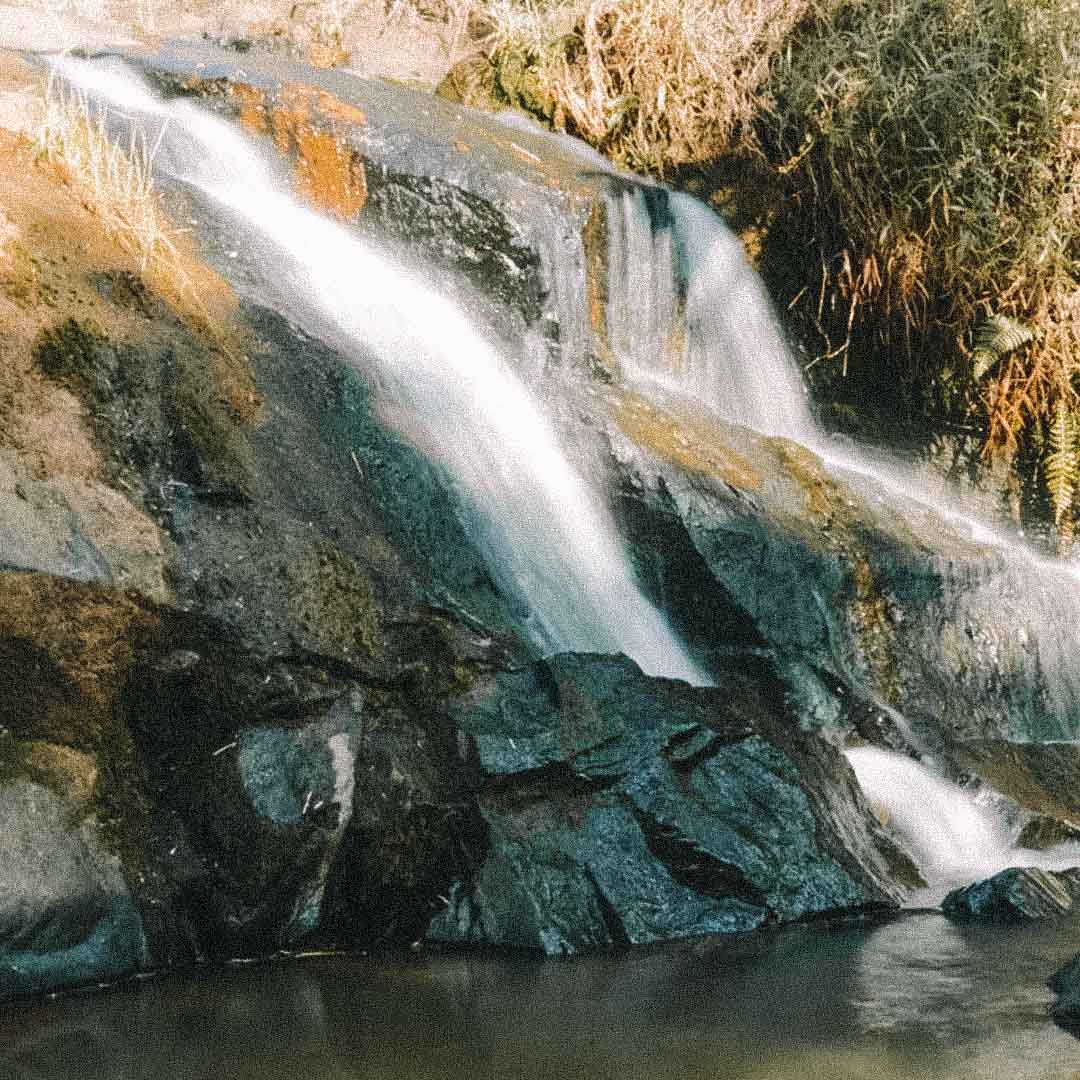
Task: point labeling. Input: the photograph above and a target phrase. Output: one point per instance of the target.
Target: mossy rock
(70, 773)
(470, 82)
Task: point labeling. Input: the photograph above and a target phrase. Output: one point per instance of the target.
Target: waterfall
(546, 531)
(953, 838)
(687, 315)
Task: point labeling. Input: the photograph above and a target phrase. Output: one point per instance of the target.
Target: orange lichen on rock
(334, 107)
(689, 443)
(253, 111)
(594, 241)
(328, 174)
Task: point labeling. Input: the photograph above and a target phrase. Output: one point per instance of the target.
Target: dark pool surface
(915, 998)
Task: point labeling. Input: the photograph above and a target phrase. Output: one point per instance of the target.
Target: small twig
(222, 749)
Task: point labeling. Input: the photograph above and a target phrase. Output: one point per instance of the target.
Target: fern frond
(1062, 464)
(996, 337)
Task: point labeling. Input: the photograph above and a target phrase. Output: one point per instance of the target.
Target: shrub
(932, 148)
(926, 160)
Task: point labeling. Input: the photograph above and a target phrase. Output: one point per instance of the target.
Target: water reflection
(917, 998)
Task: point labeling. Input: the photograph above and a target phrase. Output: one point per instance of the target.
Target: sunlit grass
(115, 180)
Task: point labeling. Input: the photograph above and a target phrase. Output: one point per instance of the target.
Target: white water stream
(548, 535)
(953, 836)
(688, 316)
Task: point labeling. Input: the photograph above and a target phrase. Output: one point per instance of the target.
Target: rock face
(1066, 984)
(868, 600)
(624, 809)
(66, 914)
(253, 665)
(261, 689)
(1015, 895)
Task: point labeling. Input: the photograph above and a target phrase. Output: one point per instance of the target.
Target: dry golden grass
(654, 84)
(116, 182)
(659, 83)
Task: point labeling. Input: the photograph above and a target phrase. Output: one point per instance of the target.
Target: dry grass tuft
(654, 84)
(116, 182)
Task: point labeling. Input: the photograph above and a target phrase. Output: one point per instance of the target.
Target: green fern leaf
(1062, 464)
(995, 338)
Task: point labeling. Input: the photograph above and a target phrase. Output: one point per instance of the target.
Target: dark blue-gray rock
(1015, 895)
(865, 596)
(1065, 983)
(67, 917)
(624, 809)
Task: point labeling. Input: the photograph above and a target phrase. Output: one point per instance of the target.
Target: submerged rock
(624, 809)
(1015, 895)
(1066, 984)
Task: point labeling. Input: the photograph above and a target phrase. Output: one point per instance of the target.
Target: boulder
(624, 809)
(66, 914)
(1015, 895)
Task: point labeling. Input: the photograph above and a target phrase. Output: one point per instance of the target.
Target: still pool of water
(915, 998)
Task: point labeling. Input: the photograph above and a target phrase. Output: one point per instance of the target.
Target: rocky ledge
(623, 809)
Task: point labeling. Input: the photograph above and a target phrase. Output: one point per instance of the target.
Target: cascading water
(953, 839)
(547, 534)
(686, 314)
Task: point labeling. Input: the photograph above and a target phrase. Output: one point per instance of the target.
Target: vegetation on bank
(922, 159)
(115, 181)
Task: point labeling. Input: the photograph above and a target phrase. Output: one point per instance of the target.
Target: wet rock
(1065, 983)
(77, 529)
(626, 809)
(67, 917)
(1039, 778)
(232, 654)
(1015, 895)
(870, 611)
(1042, 833)
(502, 205)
